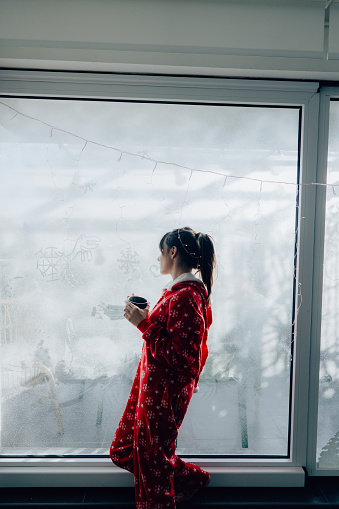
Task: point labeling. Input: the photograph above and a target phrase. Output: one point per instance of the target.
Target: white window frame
(234, 471)
(326, 94)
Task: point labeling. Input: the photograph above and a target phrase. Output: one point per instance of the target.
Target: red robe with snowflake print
(173, 355)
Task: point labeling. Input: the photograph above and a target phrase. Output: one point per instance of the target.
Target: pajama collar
(187, 276)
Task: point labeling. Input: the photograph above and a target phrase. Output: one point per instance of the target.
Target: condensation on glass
(88, 188)
(328, 425)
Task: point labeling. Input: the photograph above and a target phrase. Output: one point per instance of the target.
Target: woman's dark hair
(196, 251)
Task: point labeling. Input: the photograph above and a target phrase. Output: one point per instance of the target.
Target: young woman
(174, 353)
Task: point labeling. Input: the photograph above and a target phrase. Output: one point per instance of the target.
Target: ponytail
(196, 251)
(207, 263)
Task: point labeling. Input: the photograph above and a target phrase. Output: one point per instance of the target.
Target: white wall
(267, 38)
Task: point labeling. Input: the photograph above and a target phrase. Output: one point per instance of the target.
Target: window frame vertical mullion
(305, 226)
(317, 281)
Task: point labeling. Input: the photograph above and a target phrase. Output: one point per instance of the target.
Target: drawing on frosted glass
(51, 264)
(128, 260)
(114, 312)
(54, 264)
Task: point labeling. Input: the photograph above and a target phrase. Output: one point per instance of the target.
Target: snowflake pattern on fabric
(173, 355)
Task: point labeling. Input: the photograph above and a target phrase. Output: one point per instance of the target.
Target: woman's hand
(134, 314)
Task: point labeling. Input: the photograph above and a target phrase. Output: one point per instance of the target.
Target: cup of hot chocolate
(140, 302)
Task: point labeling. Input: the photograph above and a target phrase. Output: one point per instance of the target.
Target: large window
(94, 170)
(88, 190)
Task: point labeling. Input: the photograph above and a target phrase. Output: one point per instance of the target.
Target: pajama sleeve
(177, 342)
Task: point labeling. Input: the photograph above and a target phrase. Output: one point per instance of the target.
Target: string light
(194, 255)
(165, 163)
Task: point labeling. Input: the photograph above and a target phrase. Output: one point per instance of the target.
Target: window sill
(111, 476)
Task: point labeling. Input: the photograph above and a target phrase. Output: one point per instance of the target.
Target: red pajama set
(173, 355)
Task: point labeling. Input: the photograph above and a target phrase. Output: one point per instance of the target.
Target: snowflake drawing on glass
(128, 260)
(114, 312)
(50, 263)
(55, 264)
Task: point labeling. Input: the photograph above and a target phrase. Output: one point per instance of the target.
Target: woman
(173, 355)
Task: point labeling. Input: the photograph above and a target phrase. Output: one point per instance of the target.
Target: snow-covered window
(88, 188)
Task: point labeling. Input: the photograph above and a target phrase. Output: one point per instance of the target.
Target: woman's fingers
(129, 307)
(134, 314)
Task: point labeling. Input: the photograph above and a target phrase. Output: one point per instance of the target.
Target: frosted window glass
(88, 189)
(328, 426)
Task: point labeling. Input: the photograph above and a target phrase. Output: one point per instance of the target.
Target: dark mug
(140, 302)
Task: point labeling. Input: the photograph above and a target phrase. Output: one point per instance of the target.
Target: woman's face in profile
(165, 260)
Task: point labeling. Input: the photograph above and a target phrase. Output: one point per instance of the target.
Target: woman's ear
(174, 251)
